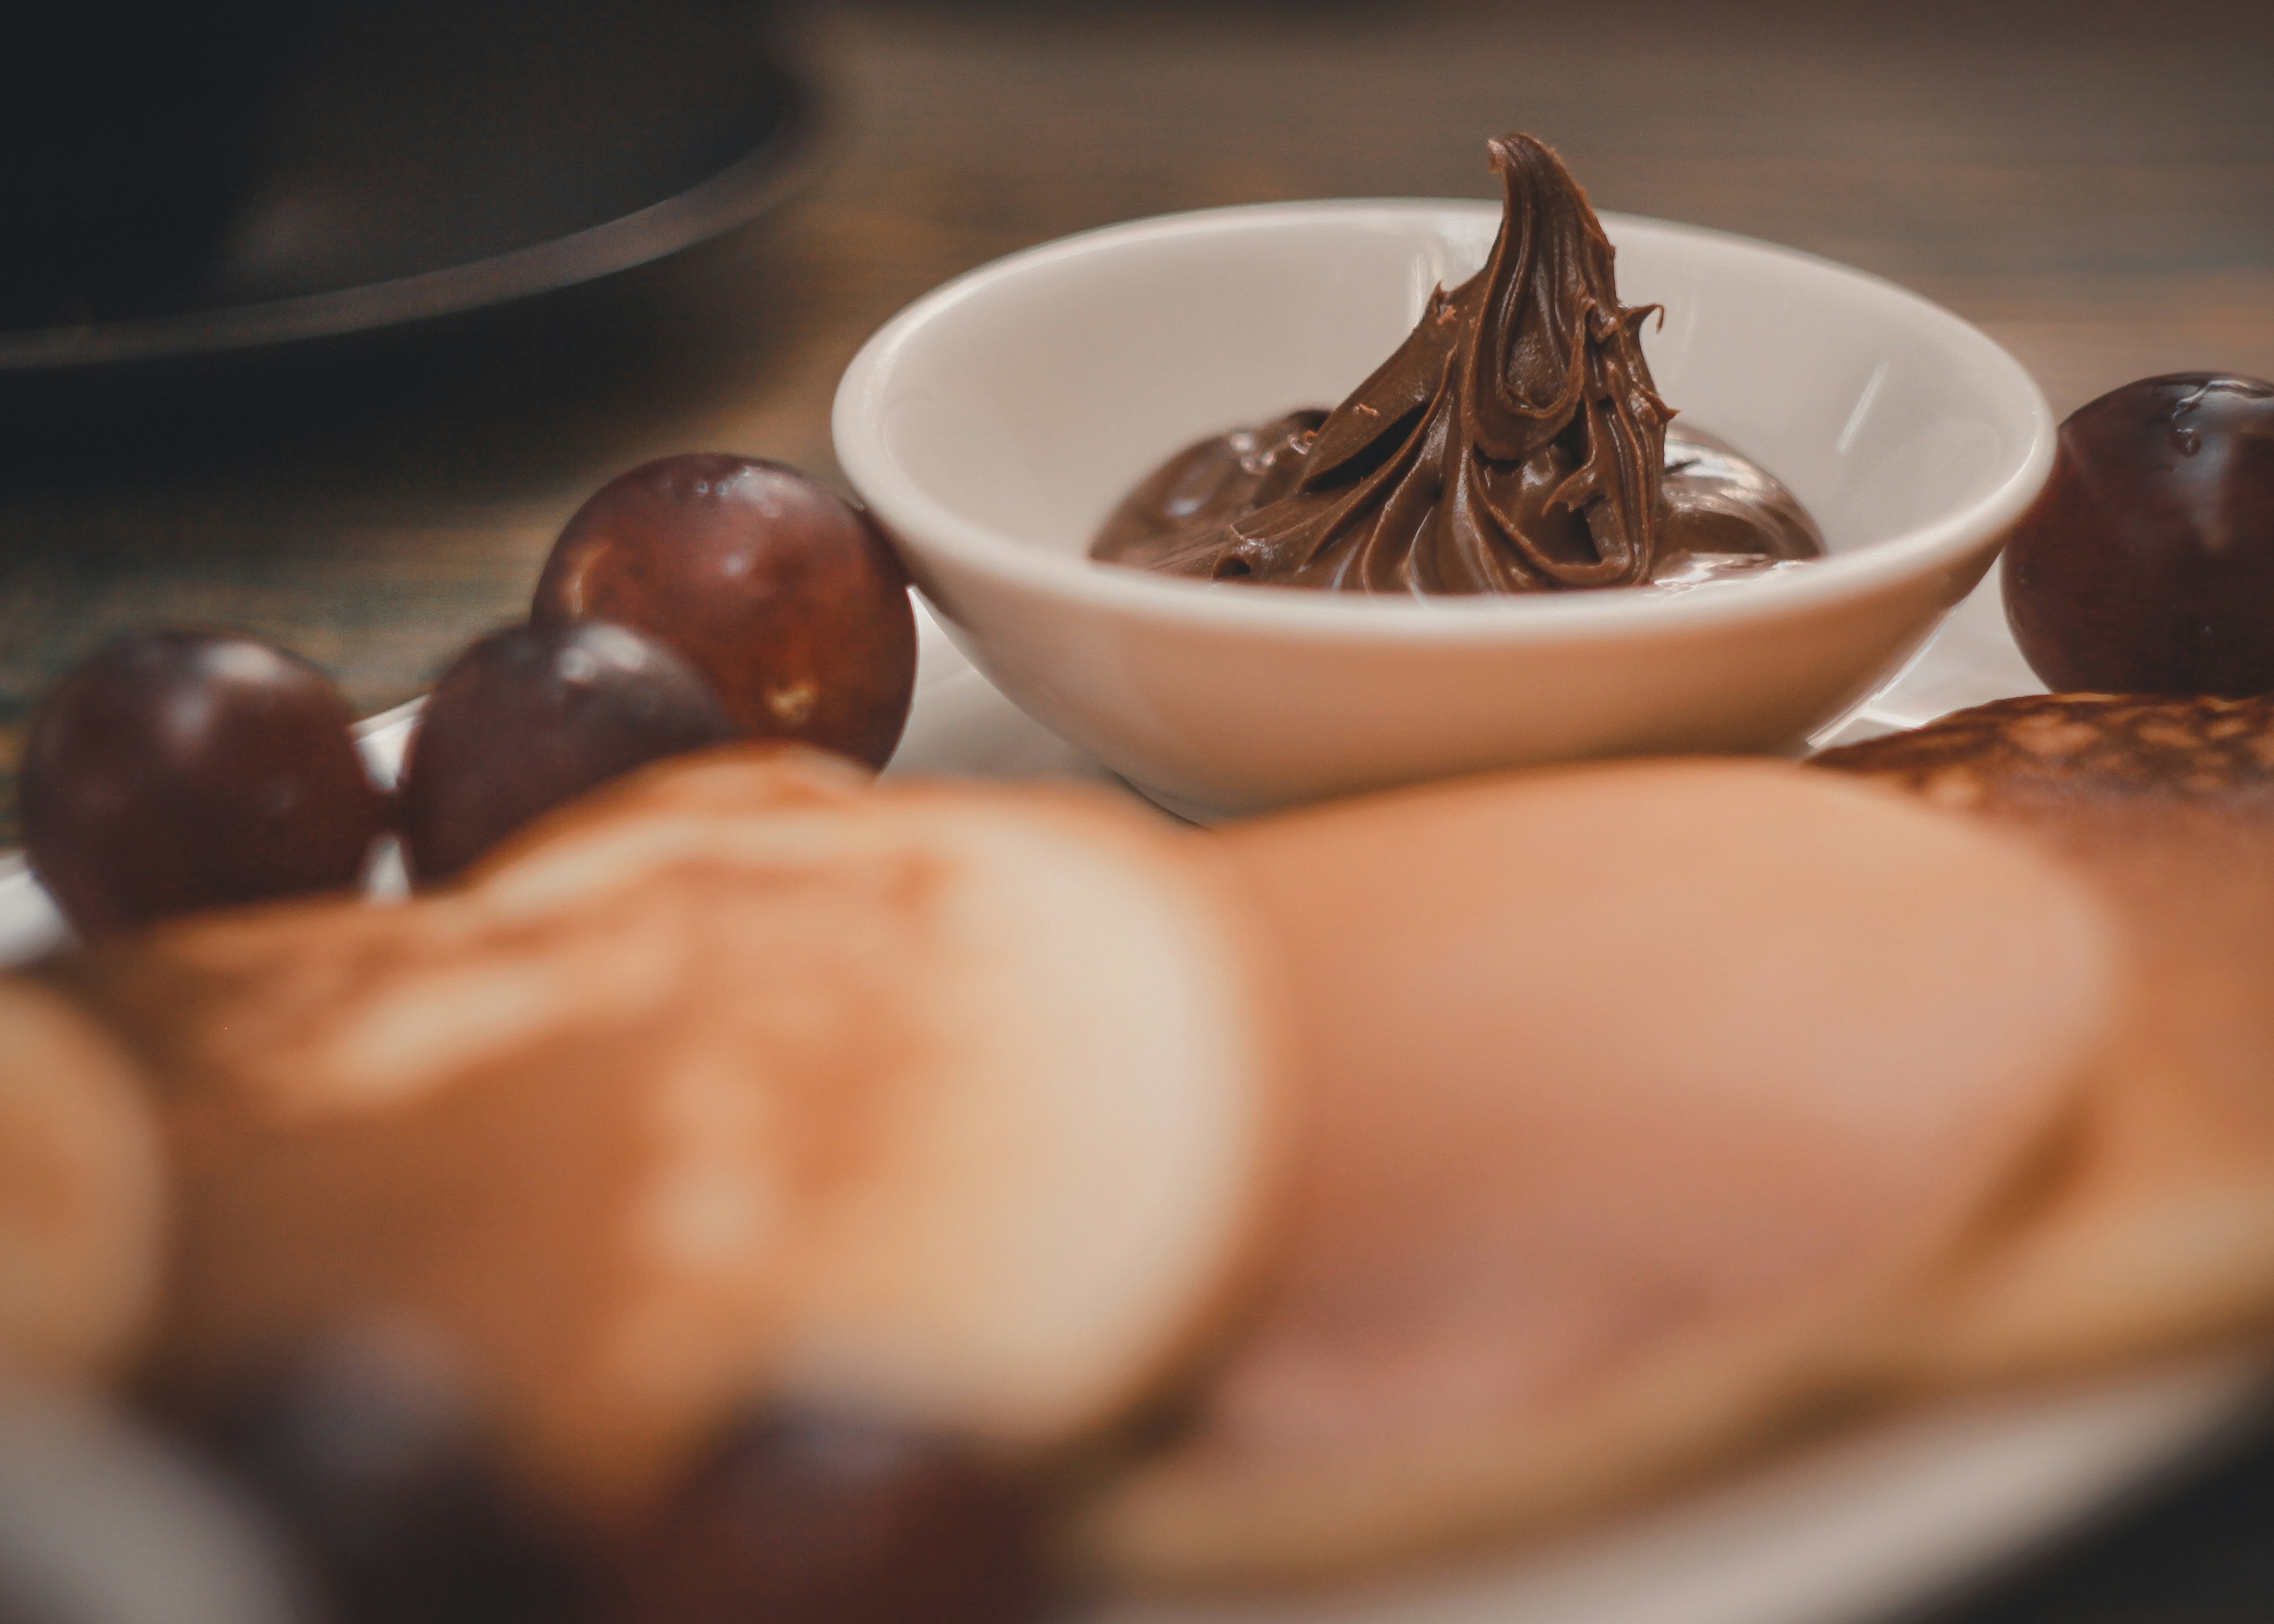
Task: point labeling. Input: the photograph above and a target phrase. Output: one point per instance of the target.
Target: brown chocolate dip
(1514, 443)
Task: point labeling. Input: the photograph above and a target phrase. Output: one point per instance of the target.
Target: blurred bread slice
(1630, 1091)
(2150, 1222)
(740, 1078)
(81, 1191)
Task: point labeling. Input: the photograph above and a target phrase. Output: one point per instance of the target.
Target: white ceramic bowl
(993, 423)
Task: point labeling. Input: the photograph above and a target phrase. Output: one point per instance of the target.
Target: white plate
(1850, 1528)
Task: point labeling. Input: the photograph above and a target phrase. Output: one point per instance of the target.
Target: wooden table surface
(2093, 185)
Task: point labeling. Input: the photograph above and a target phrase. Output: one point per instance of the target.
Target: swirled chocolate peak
(1514, 443)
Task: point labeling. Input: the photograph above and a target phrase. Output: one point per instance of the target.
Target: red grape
(783, 595)
(809, 1520)
(2147, 565)
(178, 771)
(531, 715)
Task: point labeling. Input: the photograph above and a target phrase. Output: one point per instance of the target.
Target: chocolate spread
(1514, 443)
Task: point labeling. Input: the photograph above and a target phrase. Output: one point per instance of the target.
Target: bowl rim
(924, 526)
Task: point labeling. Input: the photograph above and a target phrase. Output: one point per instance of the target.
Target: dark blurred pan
(187, 181)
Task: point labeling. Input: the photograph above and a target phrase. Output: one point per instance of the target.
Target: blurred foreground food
(740, 1081)
(2149, 1218)
(989, 1182)
(1630, 1090)
(82, 1188)
(2059, 1157)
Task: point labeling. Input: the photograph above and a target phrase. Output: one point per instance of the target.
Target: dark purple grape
(368, 1454)
(531, 715)
(808, 1520)
(178, 771)
(2147, 565)
(782, 594)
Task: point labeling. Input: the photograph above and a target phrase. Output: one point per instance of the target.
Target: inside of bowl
(1042, 395)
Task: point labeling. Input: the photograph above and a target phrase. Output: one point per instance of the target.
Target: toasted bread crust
(2079, 750)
